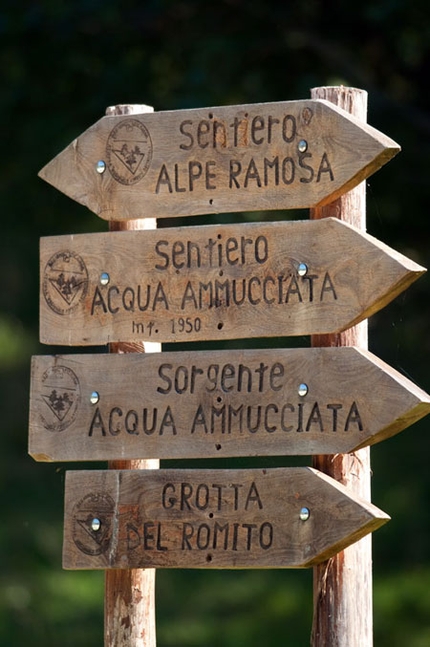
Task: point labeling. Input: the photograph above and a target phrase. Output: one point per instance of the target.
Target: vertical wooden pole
(130, 594)
(343, 584)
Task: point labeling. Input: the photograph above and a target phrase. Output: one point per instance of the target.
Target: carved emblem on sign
(65, 282)
(210, 518)
(129, 151)
(92, 523)
(61, 395)
(282, 155)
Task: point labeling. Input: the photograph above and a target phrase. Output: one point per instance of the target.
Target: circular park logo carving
(60, 395)
(92, 523)
(129, 151)
(65, 282)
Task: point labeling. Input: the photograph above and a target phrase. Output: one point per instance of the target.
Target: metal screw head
(304, 514)
(104, 278)
(101, 166)
(96, 524)
(302, 146)
(302, 390)
(302, 269)
(94, 397)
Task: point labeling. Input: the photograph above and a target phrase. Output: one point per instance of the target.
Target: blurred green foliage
(62, 63)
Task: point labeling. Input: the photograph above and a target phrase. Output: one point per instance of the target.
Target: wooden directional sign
(284, 155)
(215, 282)
(210, 518)
(217, 403)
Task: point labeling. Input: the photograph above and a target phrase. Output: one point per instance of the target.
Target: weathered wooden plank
(238, 158)
(215, 282)
(209, 518)
(216, 403)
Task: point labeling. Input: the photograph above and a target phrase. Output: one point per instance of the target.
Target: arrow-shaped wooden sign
(284, 155)
(216, 403)
(283, 518)
(215, 282)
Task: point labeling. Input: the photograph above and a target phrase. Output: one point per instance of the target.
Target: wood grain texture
(221, 159)
(130, 594)
(209, 518)
(216, 404)
(215, 282)
(343, 609)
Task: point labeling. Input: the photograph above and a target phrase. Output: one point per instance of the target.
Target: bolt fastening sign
(216, 403)
(210, 518)
(215, 282)
(285, 155)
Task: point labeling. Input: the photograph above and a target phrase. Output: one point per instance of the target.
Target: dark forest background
(61, 64)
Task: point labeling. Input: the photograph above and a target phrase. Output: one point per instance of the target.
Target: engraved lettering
(354, 417)
(163, 180)
(182, 126)
(324, 167)
(327, 286)
(97, 423)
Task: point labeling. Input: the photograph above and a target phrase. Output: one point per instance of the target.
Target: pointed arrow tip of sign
(50, 174)
(42, 173)
(68, 173)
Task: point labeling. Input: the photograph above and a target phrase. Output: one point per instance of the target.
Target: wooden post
(343, 584)
(130, 594)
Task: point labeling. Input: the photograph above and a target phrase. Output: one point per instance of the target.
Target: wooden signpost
(210, 518)
(342, 591)
(215, 282)
(130, 594)
(221, 282)
(213, 404)
(285, 155)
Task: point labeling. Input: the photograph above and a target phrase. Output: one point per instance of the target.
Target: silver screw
(94, 397)
(96, 524)
(302, 269)
(302, 390)
(104, 278)
(101, 167)
(302, 146)
(304, 514)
